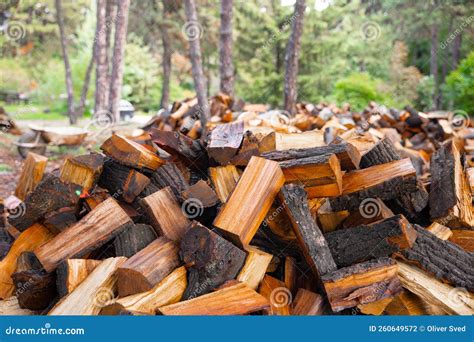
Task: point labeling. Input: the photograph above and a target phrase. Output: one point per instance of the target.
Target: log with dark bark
(133, 239)
(60, 219)
(450, 195)
(362, 283)
(214, 260)
(443, 259)
(202, 193)
(169, 175)
(225, 141)
(35, 289)
(357, 244)
(51, 194)
(310, 238)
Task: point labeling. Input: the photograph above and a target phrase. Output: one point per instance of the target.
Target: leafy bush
(425, 91)
(459, 86)
(13, 77)
(358, 89)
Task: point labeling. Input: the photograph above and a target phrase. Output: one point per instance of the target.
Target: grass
(31, 112)
(5, 168)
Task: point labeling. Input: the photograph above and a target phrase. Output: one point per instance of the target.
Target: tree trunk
(165, 38)
(434, 62)
(456, 53)
(291, 57)
(226, 66)
(102, 69)
(118, 58)
(67, 66)
(110, 18)
(196, 61)
(85, 86)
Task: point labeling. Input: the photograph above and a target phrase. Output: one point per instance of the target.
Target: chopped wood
(291, 273)
(28, 240)
(248, 204)
(72, 272)
(470, 178)
(168, 291)
(249, 148)
(442, 232)
(82, 170)
(213, 260)
(238, 299)
(310, 238)
(357, 244)
(450, 195)
(255, 267)
(224, 179)
(169, 175)
(286, 141)
(307, 303)
(95, 292)
(49, 195)
(463, 238)
(35, 289)
(375, 308)
(148, 267)
(225, 141)
(11, 307)
(361, 283)
(202, 193)
(96, 228)
(278, 295)
(31, 174)
(374, 210)
(165, 214)
(59, 220)
(133, 239)
(450, 299)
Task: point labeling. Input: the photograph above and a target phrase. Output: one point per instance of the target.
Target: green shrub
(13, 77)
(425, 91)
(357, 89)
(459, 87)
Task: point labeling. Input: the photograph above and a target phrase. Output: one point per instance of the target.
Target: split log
(82, 170)
(35, 289)
(357, 244)
(225, 141)
(31, 175)
(308, 139)
(443, 259)
(72, 272)
(328, 219)
(375, 308)
(130, 153)
(248, 204)
(169, 175)
(464, 239)
(384, 181)
(168, 291)
(202, 193)
(321, 175)
(248, 149)
(310, 238)
(30, 239)
(238, 299)
(362, 283)
(165, 214)
(61, 219)
(307, 303)
(407, 304)
(349, 157)
(290, 273)
(255, 267)
(95, 229)
(452, 300)
(148, 267)
(133, 239)
(278, 295)
(214, 260)
(121, 181)
(95, 292)
(224, 179)
(450, 195)
(50, 194)
(442, 232)
(373, 211)
(11, 307)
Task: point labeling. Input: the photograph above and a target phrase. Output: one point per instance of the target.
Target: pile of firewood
(328, 211)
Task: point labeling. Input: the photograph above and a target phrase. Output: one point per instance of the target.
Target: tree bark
(67, 65)
(85, 86)
(434, 62)
(110, 18)
(167, 52)
(456, 53)
(118, 58)
(196, 61)
(226, 66)
(291, 57)
(102, 69)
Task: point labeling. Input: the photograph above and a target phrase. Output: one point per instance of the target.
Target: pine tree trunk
(196, 61)
(118, 57)
(456, 53)
(101, 82)
(67, 65)
(85, 86)
(226, 66)
(291, 57)
(434, 63)
(165, 38)
(110, 18)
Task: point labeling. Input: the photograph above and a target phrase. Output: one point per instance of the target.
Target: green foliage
(13, 77)
(425, 93)
(357, 89)
(460, 85)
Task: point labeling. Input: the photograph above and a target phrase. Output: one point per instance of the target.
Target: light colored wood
(31, 174)
(224, 179)
(249, 202)
(291, 274)
(328, 219)
(31, 238)
(464, 239)
(442, 232)
(98, 226)
(375, 308)
(238, 299)
(165, 214)
(168, 291)
(82, 170)
(75, 271)
(307, 303)
(131, 153)
(278, 295)
(407, 304)
(452, 300)
(286, 141)
(255, 267)
(470, 178)
(10, 307)
(95, 292)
